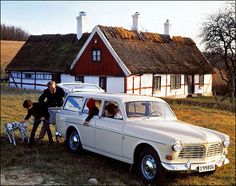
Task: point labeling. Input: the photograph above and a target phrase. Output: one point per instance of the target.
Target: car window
(148, 108)
(111, 110)
(97, 104)
(74, 103)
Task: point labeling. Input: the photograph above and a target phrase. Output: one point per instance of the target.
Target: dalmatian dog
(11, 127)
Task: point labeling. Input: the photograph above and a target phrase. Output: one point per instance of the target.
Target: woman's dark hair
(27, 103)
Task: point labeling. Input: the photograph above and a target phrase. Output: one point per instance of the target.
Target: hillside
(8, 51)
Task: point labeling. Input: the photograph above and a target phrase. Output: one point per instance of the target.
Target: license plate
(207, 167)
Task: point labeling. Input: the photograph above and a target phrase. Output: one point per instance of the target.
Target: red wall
(106, 67)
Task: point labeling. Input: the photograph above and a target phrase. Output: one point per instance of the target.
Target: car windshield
(149, 109)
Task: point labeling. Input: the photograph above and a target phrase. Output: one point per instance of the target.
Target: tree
(218, 35)
(9, 32)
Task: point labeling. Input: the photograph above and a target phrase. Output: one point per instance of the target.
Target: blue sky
(52, 17)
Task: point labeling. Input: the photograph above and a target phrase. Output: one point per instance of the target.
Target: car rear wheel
(73, 142)
(150, 167)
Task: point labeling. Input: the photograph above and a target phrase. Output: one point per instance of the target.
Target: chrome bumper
(189, 166)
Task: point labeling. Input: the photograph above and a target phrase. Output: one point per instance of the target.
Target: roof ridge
(123, 33)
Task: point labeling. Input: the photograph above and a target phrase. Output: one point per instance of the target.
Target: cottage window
(16, 74)
(157, 83)
(28, 76)
(47, 76)
(39, 76)
(201, 80)
(103, 83)
(96, 55)
(43, 76)
(175, 81)
(79, 78)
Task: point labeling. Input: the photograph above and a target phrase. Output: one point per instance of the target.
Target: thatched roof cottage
(117, 59)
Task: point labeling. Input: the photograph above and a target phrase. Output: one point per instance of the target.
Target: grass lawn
(40, 165)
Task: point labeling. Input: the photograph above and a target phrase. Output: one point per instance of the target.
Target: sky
(59, 17)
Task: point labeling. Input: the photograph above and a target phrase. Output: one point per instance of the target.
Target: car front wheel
(73, 142)
(150, 167)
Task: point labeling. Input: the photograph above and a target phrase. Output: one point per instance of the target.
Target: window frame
(100, 79)
(119, 109)
(157, 83)
(28, 74)
(96, 99)
(201, 80)
(175, 81)
(96, 55)
(79, 78)
(82, 106)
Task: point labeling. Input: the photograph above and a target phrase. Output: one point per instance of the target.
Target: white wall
(133, 86)
(146, 84)
(205, 90)
(28, 83)
(207, 85)
(91, 79)
(65, 78)
(115, 84)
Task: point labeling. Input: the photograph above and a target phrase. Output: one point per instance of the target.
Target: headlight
(226, 142)
(177, 145)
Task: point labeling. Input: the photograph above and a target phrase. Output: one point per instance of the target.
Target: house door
(103, 83)
(190, 81)
(56, 78)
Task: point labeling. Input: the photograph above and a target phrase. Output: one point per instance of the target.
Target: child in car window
(110, 110)
(93, 110)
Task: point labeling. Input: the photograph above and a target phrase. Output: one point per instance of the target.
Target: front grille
(214, 150)
(196, 151)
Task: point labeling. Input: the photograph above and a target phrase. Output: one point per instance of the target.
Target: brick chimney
(136, 21)
(82, 24)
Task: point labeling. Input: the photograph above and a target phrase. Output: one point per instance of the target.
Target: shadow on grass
(57, 166)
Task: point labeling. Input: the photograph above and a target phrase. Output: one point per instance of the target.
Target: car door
(108, 132)
(87, 132)
(69, 115)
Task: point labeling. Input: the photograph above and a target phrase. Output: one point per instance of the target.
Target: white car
(79, 87)
(69, 88)
(144, 132)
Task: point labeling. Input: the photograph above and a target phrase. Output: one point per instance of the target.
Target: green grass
(41, 165)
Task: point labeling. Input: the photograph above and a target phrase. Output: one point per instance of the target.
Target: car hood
(166, 131)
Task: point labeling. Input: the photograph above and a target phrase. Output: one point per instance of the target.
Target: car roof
(79, 87)
(118, 96)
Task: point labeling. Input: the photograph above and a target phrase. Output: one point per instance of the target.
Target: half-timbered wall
(206, 89)
(29, 80)
(143, 84)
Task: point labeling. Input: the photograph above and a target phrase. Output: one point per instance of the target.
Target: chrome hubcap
(74, 140)
(149, 167)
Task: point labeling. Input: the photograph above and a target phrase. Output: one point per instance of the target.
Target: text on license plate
(207, 167)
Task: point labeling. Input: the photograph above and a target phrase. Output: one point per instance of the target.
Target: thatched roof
(51, 53)
(145, 52)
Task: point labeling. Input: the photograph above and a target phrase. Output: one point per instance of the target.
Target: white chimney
(82, 24)
(167, 27)
(136, 21)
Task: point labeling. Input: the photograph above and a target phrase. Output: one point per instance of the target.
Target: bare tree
(9, 32)
(218, 35)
